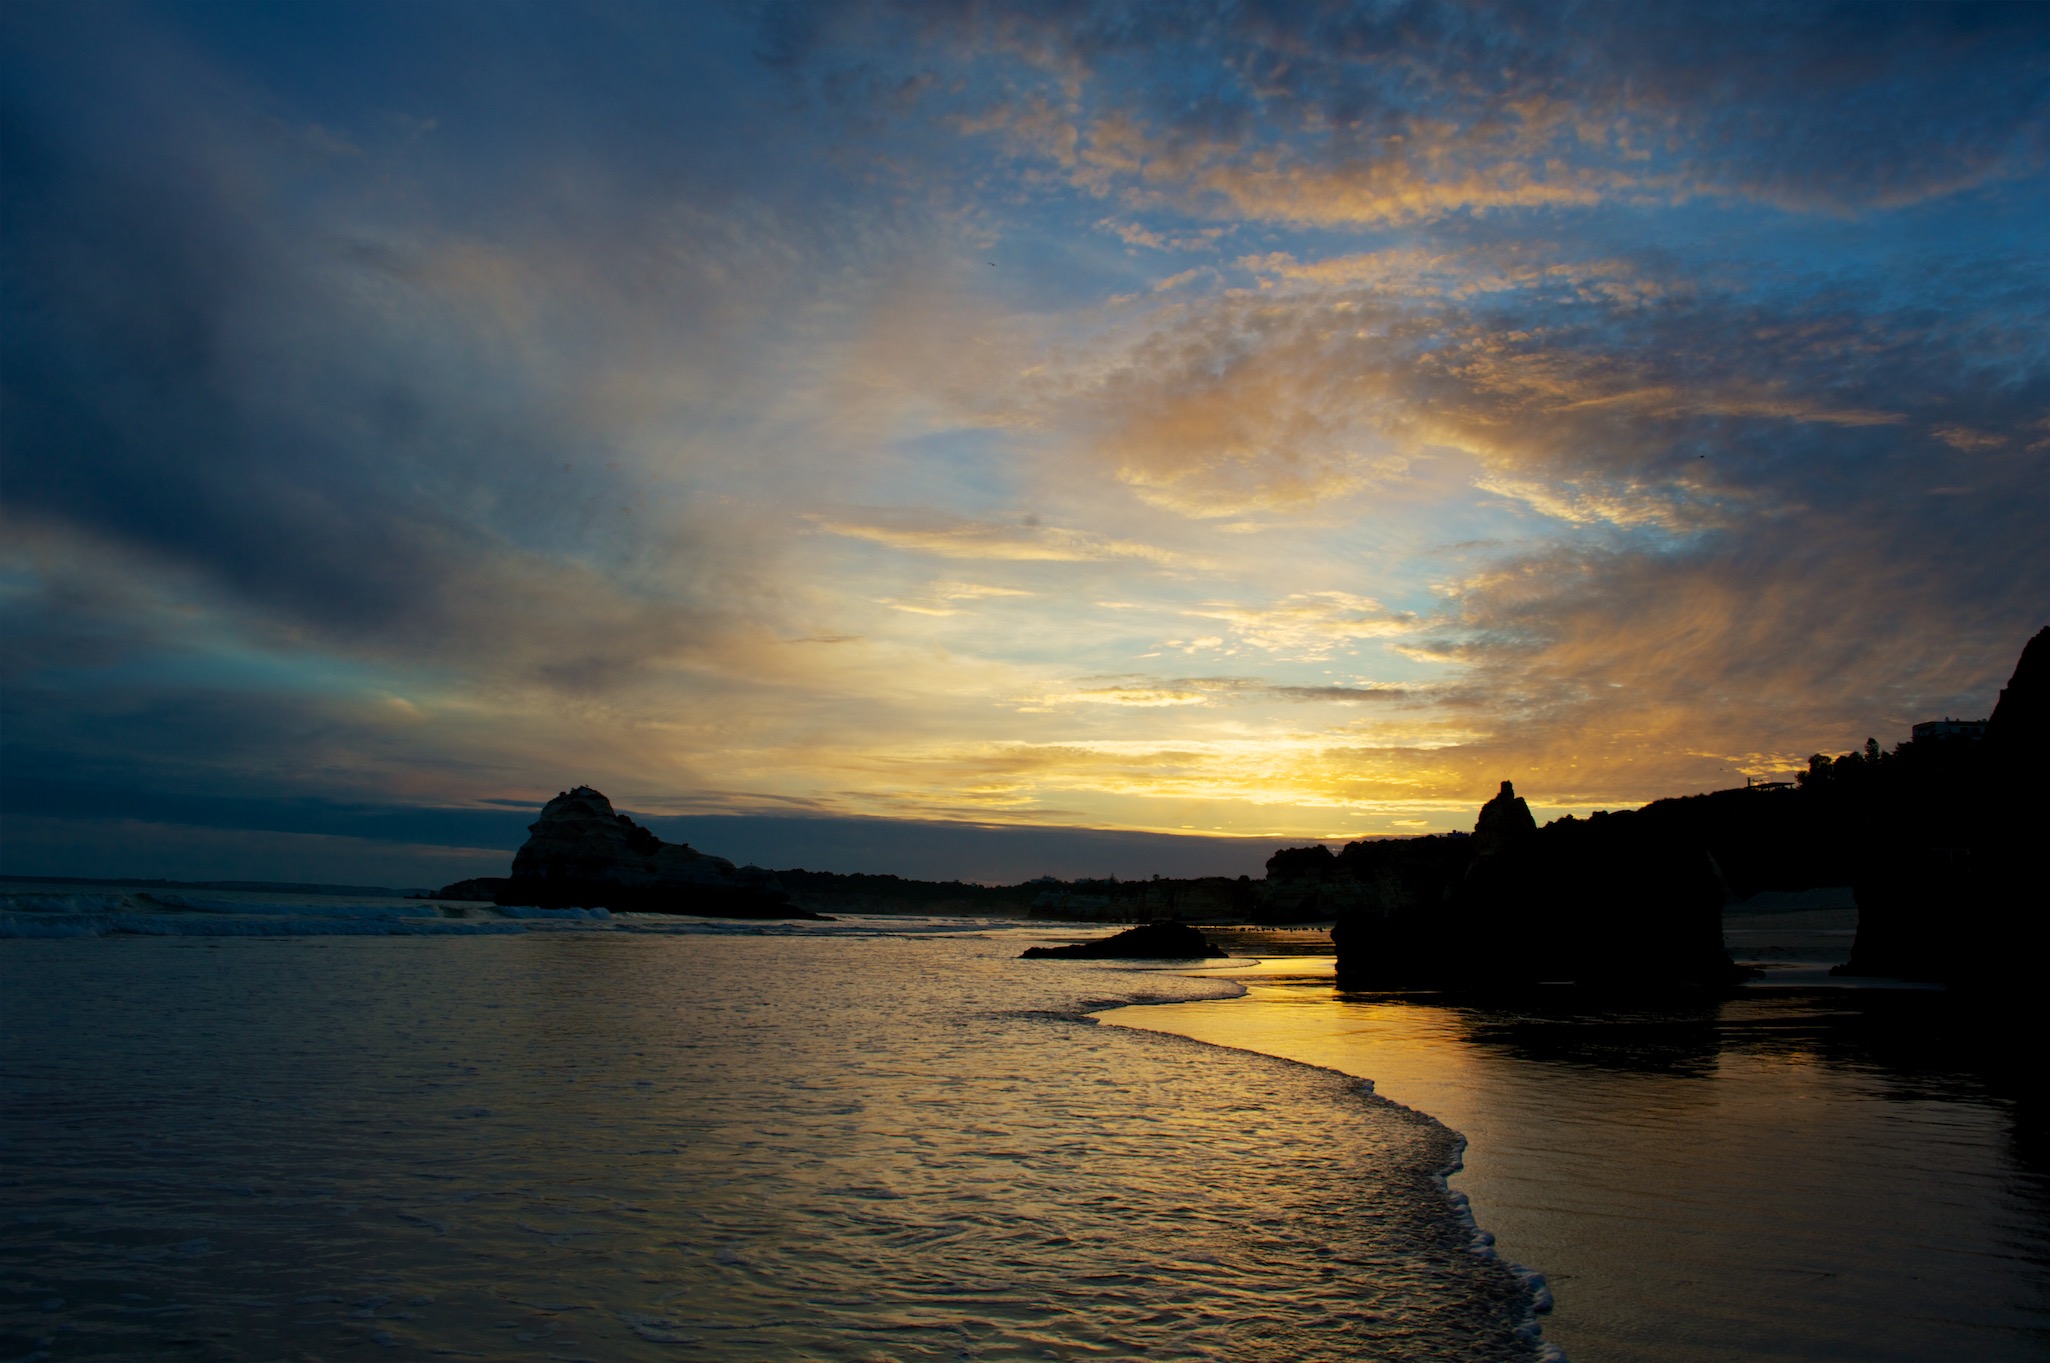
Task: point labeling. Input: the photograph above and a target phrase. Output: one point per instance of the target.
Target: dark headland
(1942, 840)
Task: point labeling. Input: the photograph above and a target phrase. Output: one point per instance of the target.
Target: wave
(1537, 1289)
(162, 913)
(18, 925)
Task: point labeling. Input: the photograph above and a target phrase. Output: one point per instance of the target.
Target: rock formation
(1941, 842)
(2020, 725)
(1612, 901)
(1505, 824)
(1167, 941)
(582, 854)
(1950, 878)
(1307, 885)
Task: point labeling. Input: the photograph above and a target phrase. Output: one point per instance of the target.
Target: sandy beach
(1779, 1174)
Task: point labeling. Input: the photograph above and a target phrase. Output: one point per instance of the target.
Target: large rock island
(582, 854)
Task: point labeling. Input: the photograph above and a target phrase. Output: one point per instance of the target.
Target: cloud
(943, 598)
(1581, 504)
(1641, 393)
(1383, 116)
(1309, 625)
(1967, 440)
(1157, 692)
(1023, 543)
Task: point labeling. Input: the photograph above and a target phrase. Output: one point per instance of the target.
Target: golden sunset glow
(1000, 425)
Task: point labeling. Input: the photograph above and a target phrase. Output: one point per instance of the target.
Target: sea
(249, 1125)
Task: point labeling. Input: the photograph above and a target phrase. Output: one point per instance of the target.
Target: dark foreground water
(1788, 1175)
(886, 1142)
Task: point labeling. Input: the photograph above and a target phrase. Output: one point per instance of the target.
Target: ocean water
(248, 1133)
(58, 909)
(1787, 1175)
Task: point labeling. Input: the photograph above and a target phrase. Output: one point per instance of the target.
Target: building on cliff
(1949, 731)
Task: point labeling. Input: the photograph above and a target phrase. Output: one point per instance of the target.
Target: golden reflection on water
(1770, 1176)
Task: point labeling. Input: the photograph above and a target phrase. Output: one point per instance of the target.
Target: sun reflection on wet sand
(1778, 1175)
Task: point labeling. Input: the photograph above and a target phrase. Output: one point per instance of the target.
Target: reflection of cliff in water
(1918, 1044)
(1682, 1039)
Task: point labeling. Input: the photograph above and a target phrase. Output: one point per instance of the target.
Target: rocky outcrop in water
(1611, 901)
(582, 854)
(1942, 842)
(1165, 941)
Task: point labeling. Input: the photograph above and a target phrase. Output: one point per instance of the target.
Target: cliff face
(581, 853)
(2020, 726)
(1951, 882)
(1942, 843)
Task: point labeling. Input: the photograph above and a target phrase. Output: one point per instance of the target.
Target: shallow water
(847, 1141)
(1784, 1175)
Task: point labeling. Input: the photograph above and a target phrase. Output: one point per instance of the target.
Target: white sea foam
(1481, 1243)
(194, 904)
(173, 913)
(238, 925)
(168, 913)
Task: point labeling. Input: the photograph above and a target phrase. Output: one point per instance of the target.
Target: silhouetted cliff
(1950, 844)
(1613, 901)
(1942, 841)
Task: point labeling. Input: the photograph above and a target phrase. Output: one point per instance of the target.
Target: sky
(984, 440)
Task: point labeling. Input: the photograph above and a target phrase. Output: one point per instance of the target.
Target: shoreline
(1539, 1300)
(924, 1131)
(1639, 1156)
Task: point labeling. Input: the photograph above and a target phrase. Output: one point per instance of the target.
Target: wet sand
(1789, 1174)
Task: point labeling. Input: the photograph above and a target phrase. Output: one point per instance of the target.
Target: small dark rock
(1151, 941)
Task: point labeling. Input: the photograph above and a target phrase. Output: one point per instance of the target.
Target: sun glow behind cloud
(1275, 429)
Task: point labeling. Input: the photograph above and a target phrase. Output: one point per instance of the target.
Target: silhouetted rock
(1951, 880)
(1613, 901)
(1314, 862)
(582, 854)
(1150, 941)
(1505, 824)
(1306, 885)
(1941, 842)
(2020, 726)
